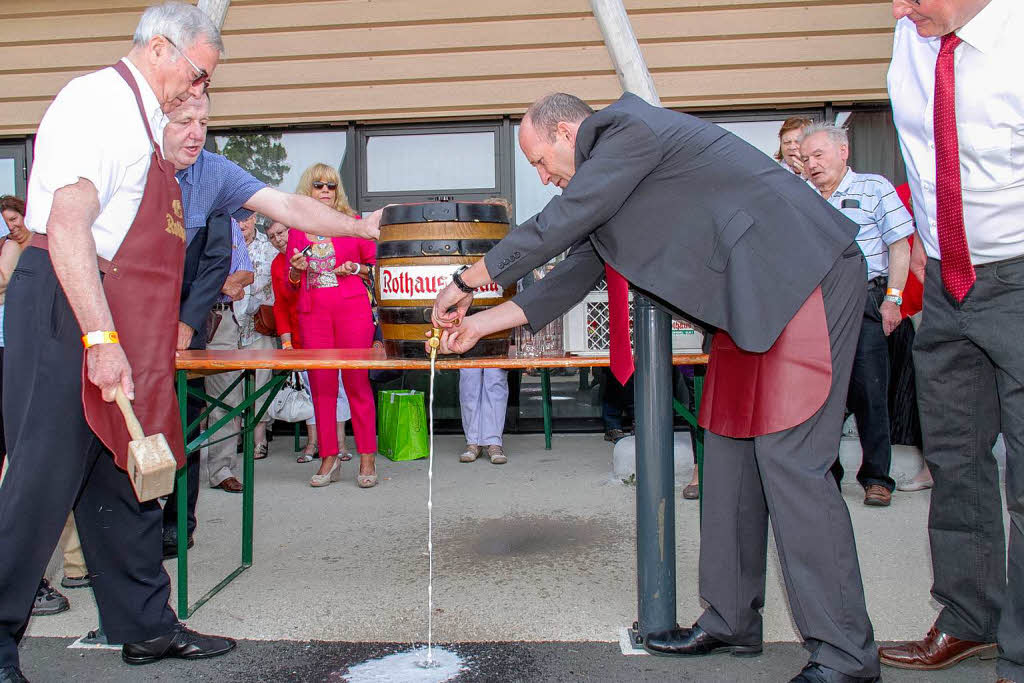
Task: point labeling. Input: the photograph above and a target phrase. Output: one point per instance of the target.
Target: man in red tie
(710, 227)
(958, 103)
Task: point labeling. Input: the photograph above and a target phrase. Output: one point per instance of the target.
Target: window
(278, 159)
(13, 169)
(401, 164)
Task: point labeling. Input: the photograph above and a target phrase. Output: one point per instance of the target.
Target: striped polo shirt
(871, 202)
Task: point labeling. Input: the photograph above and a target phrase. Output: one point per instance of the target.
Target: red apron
(143, 289)
(750, 394)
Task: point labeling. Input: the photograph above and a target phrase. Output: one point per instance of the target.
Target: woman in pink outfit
(334, 313)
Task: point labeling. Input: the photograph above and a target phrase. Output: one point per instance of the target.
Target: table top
(359, 359)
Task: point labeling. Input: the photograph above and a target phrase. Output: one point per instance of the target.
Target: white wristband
(358, 266)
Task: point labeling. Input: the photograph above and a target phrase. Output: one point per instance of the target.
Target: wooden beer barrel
(420, 246)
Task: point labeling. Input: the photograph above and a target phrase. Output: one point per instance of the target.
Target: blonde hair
(325, 174)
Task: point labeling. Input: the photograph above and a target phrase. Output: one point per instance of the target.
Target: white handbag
(292, 403)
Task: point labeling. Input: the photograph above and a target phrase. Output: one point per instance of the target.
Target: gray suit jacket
(688, 213)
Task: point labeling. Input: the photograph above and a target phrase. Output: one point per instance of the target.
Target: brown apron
(750, 394)
(143, 288)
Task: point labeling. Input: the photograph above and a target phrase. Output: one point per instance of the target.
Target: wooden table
(200, 363)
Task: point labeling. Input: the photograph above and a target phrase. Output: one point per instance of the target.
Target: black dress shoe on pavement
(181, 643)
(688, 642)
(171, 547)
(818, 673)
(12, 674)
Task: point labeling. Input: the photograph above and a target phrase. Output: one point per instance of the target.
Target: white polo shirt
(93, 130)
(871, 202)
(990, 127)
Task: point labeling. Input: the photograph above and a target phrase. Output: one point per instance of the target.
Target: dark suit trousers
(57, 464)
(868, 398)
(785, 477)
(970, 384)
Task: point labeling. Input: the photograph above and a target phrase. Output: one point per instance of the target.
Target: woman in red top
(286, 318)
(334, 312)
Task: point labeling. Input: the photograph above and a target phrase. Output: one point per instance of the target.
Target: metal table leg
(545, 395)
(250, 416)
(181, 486)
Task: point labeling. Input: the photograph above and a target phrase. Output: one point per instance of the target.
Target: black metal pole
(655, 469)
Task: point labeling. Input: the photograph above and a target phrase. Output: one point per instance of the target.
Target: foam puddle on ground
(408, 667)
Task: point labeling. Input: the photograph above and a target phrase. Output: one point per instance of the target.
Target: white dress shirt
(990, 127)
(93, 130)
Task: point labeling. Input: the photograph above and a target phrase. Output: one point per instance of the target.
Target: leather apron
(143, 287)
(750, 394)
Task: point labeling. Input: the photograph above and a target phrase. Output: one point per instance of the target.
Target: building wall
(322, 61)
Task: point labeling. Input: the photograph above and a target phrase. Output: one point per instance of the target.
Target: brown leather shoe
(231, 485)
(877, 495)
(937, 651)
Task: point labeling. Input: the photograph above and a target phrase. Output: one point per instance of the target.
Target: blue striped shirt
(871, 202)
(214, 182)
(239, 254)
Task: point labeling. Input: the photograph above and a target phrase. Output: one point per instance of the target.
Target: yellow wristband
(893, 291)
(99, 337)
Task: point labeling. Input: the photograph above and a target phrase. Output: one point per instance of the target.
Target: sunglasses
(319, 185)
(201, 75)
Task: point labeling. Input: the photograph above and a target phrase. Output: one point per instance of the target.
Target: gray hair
(546, 113)
(180, 23)
(835, 134)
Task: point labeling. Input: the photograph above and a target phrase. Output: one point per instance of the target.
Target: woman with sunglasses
(334, 312)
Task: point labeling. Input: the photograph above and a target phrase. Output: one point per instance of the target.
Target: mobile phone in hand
(308, 251)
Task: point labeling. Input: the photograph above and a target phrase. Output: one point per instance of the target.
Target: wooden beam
(216, 10)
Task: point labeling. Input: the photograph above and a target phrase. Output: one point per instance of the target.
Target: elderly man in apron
(104, 273)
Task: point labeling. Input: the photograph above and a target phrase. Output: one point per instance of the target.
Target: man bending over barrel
(701, 221)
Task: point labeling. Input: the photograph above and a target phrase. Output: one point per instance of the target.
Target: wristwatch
(894, 296)
(459, 282)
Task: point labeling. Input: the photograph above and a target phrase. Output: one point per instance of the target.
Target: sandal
(308, 457)
(344, 456)
(260, 452)
(366, 481)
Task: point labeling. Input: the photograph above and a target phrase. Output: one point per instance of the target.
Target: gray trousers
(483, 397)
(969, 359)
(223, 459)
(785, 477)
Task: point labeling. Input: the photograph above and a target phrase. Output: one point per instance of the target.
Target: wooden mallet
(151, 464)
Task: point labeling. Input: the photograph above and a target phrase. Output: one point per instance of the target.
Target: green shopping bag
(402, 425)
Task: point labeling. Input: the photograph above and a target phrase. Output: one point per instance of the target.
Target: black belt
(880, 282)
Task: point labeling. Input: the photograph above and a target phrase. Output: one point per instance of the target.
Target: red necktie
(957, 271)
(620, 351)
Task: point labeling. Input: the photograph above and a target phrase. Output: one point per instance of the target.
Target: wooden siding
(323, 61)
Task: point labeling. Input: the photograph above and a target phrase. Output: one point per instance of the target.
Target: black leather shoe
(818, 673)
(171, 547)
(12, 674)
(688, 642)
(181, 643)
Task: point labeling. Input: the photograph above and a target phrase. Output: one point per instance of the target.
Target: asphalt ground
(48, 660)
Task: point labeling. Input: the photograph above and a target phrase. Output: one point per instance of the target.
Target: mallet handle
(132, 422)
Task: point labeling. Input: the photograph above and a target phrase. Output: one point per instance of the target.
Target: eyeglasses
(319, 185)
(201, 75)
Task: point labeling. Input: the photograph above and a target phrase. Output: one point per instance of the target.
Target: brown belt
(40, 241)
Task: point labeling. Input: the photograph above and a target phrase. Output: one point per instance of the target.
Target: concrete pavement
(541, 549)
